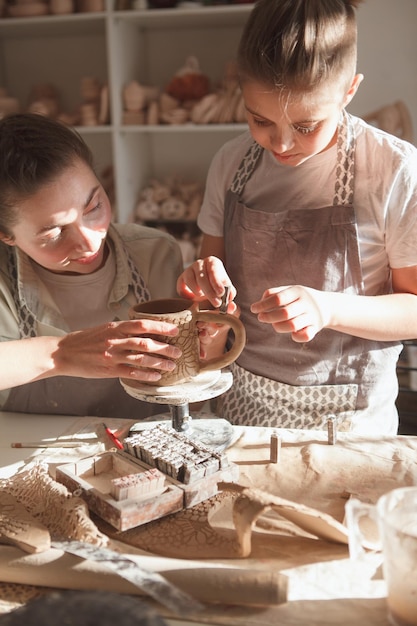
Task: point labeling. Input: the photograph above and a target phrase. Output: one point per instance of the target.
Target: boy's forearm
(391, 317)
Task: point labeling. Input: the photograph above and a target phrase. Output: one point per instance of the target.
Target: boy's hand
(205, 279)
(293, 309)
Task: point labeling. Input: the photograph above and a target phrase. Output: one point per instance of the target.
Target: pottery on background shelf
(394, 118)
(45, 99)
(186, 98)
(172, 205)
(162, 4)
(61, 7)
(22, 8)
(90, 6)
(8, 105)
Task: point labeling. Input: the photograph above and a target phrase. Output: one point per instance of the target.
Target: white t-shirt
(385, 195)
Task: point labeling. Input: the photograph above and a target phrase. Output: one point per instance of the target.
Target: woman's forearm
(26, 360)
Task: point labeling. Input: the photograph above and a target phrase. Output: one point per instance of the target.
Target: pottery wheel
(216, 433)
(202, 387)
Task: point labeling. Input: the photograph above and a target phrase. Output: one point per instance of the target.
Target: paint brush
(52, 444)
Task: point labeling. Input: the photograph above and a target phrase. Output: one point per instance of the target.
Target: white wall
(387, 56)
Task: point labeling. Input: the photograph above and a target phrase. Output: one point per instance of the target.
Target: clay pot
(27, 10)
(90, 6)
(61, 7)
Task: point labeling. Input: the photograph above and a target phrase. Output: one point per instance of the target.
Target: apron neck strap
(345, 168)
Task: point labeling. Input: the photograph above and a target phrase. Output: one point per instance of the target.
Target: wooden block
(147, 483)
(201, 490)
(174, 453)
(275, 453)
(188, 480)
(95, 488)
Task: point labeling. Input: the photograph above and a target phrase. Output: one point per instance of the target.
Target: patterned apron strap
(26, 319)
(246, 168)
(142, 293)
(345, 168)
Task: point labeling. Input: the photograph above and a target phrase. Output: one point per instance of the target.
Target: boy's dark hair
(297, 45)
(33, 151)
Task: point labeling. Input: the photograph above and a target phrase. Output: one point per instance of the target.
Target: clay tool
(275, 449)
(225, 300)
(152, 583)
(52, 444)
(331, 430)
(113, 437)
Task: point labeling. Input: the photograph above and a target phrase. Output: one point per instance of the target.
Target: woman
(67, 279)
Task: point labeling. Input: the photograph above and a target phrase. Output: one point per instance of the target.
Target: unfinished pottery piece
(28, 10)
(185, 314)
(251, 503)
(61, 7)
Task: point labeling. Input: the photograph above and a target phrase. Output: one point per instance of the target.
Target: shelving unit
(116, 47)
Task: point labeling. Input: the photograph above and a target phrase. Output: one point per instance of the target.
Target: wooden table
(323, 583)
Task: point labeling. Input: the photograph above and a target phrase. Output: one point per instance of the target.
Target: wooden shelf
(117, 47)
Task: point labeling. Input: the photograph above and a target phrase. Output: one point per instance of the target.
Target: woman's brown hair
(33, 151)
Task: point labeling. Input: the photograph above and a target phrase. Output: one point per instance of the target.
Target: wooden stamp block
(93, 480)
(164, 474)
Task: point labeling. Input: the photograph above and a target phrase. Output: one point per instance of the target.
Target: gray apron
(278, 382)
(70, 395)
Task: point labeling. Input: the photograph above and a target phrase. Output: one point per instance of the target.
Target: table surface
(251, 451)
(21, 428)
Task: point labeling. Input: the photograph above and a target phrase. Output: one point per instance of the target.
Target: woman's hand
(129, 349)
(205, 279)
(293, 309)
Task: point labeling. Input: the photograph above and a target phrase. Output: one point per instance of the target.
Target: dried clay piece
(152, 116)
(18, 527)
(133, 118)
(251, 503)
(394, 119)
(167, 103)
(189, 83)
(147, 208)
(137, 97)
(203, 111)
(175, 116)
